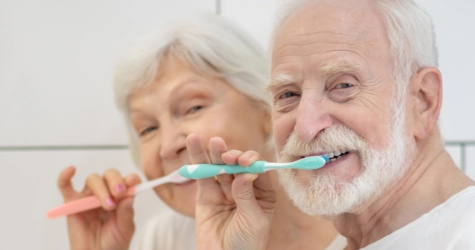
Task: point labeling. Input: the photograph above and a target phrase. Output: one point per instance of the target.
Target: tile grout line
(63, 147)
(124, 147)
(218, 7)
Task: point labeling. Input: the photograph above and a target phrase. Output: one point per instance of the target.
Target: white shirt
(168, 230)
(172, 231)
(451, 225)
(339, 243)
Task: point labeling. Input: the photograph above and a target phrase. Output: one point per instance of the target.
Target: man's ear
(426, 88)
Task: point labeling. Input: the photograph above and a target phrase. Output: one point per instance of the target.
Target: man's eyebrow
(279, 80)
(340, 66)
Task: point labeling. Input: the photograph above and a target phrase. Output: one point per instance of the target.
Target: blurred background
(57, 107)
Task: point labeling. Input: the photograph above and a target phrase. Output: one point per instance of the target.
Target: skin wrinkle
(381, 216)
(177, 89)
(369, 96)
(404, 189)
(327, 70)
(362, 220)
(324, 34)
(327, 51)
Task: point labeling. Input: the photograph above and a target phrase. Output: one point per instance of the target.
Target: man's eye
(343, 85)
(287, 95)
(147, 131)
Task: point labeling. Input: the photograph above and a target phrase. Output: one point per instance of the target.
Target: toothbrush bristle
(313, 162)
(326, 158)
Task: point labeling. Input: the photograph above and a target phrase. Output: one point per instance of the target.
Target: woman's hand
(232, 212)
(108, 227)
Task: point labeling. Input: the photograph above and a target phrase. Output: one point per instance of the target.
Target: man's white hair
(211, 45)
(409, 29)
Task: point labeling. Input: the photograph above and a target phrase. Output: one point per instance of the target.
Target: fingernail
(119, 188)
(246, 154)
(110, 202)
(234, 152)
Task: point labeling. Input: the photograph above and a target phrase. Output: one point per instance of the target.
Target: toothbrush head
(312, 162)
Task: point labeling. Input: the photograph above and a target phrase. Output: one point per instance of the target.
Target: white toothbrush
(92, 202)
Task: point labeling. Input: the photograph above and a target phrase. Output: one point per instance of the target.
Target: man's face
(333, 94)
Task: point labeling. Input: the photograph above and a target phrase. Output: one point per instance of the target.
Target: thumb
(243, 192)
(125, 217)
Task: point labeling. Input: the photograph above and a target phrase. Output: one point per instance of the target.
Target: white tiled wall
(56, 65)
(55, 89)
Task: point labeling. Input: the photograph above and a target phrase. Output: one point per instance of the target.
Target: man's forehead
(318, 28)
(318, 21)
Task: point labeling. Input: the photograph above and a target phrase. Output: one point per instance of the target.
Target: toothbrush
(185, 173)
(92, 202)
(200, 171)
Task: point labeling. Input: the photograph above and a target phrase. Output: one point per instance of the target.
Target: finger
(64, 183)
(263, 185)
(115, 183)
(132, 180)
(196, 150)
(243, 193)
(250, 198)
(248, 157)
(252, 211)
(264, 191)
(231, 157)
(125, 217)
(99, 188)
(217, 147)
(209, 190)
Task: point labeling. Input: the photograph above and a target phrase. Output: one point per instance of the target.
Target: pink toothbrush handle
(80, 205)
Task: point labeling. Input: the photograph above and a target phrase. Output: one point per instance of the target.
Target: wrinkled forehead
(318, 26)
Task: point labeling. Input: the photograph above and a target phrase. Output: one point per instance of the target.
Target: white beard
(327, 195)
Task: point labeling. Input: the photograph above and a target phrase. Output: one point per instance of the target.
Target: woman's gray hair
(211, 45)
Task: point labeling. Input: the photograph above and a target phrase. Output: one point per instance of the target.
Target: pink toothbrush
(91, 202)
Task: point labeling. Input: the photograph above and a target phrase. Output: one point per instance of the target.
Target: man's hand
(232, 212)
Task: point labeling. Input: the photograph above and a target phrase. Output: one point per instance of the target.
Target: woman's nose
(173, 141)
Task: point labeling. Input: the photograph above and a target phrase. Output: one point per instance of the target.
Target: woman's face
(181, 101)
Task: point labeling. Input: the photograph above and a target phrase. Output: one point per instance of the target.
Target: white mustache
(334, 138)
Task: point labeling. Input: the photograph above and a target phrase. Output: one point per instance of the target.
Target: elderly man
(356, 80)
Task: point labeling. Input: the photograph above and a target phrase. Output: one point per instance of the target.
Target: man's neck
(292, 229)
(429, 182)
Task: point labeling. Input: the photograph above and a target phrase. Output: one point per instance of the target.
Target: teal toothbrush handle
(200, 171)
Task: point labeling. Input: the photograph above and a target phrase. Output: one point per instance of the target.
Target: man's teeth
(333, 156)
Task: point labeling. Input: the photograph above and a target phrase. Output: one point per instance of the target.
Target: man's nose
(312, 117)
(173, 141)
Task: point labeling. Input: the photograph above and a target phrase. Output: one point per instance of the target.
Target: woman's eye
(147, 131)
(287, 95)
(343, 85)
(195, 108)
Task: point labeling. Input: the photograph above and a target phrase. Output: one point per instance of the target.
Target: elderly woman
(204, 77)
